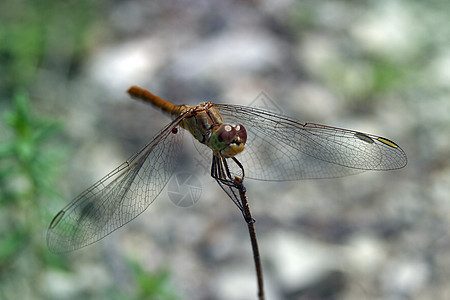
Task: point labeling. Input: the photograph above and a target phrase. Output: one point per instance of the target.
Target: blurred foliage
(49, 35)
(29, 166)
(29, 154)
(153, 286)
(30, 163)
(41, 39)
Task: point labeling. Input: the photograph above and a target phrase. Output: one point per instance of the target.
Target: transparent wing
(279, 148)
(119, 197)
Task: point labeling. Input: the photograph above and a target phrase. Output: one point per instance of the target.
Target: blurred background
(381, 67)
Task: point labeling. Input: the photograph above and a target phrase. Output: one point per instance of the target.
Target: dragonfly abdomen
(174, 111)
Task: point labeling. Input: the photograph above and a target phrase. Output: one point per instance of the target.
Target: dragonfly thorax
(207, 126)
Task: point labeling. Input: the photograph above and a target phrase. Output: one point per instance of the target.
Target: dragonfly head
(227, 139)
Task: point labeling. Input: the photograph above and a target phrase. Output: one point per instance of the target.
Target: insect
(242, 141)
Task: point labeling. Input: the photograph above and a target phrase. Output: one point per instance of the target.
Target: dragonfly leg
(221, 172)
(233, 187)
(225, 165)
(236, 181)
(218, 172)
(222, 175)
(238, 163)
(231, 192)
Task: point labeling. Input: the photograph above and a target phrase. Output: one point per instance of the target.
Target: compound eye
(226, 134)
(241, 133)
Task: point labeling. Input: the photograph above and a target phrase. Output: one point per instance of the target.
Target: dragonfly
(240, 141)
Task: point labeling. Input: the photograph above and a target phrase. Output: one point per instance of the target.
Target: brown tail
(167, 107)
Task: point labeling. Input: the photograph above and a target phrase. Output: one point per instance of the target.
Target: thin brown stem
(251, 229)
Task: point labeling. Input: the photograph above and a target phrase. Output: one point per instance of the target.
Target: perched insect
(268, 146)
